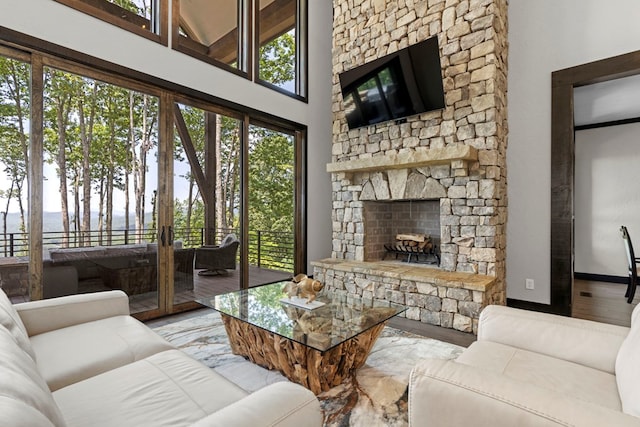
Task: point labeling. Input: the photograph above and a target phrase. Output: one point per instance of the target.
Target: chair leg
(632, 292)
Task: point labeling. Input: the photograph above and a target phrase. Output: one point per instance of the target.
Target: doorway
(563, 166)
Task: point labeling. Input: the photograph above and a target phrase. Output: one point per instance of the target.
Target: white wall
(544, 36)
(606, 196)
(56, 23)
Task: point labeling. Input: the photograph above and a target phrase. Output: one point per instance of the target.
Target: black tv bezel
(425, 94)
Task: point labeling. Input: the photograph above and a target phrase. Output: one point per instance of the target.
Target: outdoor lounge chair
(217, 259)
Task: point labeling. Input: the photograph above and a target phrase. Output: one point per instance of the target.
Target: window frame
(301, 56)
(108, 12)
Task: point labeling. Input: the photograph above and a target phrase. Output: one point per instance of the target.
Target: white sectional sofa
(533, 369)
(82, 360)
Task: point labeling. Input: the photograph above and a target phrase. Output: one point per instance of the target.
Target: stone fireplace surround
(456, 155)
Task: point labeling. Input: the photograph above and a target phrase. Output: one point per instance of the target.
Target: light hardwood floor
(602, 302)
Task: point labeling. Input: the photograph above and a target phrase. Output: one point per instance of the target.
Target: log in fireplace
(418, 248)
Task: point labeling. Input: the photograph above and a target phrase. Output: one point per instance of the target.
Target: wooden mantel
(406, 160)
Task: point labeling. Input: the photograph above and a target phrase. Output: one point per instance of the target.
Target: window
(215, 32)
(15, 104)
(127, 180)
(219, 33)
(280, 40)
(147, 18)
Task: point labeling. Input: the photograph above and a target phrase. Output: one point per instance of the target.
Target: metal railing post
(11, 243)
(259, 248)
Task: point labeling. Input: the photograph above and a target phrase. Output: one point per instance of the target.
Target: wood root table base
(318, 371)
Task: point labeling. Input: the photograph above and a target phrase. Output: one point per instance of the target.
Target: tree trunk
(220, 193)
(130, 164)
(17, 96)
(86, 138)
(101, 195)
(110, 179)
(62, 171)
(76, 208)
(4, 218)
(190, 202)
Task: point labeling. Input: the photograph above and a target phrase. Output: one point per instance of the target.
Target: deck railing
(268, 249)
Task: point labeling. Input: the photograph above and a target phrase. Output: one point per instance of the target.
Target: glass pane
(142, 14)
(212, 29)
(271, 205)
(142, 8)
(206, 188)
(14, 148)
(277, 41)
(100, 182)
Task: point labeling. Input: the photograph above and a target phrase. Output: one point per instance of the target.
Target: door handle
(163, 237)
(171, 236)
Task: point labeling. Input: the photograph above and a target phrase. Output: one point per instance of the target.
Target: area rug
(376, 396)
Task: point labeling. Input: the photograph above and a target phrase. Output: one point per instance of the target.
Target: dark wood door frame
(563, 166)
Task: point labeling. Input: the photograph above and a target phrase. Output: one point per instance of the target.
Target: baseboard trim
(601, 278)
(533, 306)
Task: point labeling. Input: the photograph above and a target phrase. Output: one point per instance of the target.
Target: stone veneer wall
(472, 35)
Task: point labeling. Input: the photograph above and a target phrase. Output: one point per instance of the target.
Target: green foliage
(14, 119)
(278, 60)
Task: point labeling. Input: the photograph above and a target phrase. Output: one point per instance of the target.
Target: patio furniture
(216, 259)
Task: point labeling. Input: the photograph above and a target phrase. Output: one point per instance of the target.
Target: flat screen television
(398, 85)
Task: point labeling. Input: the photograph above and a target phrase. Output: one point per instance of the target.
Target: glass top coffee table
(318, 347)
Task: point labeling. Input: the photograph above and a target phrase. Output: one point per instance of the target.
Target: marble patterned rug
(377, 396)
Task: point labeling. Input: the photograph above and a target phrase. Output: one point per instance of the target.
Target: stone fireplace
(456, 156)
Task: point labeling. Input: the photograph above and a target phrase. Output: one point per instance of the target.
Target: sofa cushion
(628, 367)
(71, 354)
(166, 389)
(10, 319)
(25, 398)
(572, 379)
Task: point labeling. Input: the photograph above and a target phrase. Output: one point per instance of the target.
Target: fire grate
(416, 248)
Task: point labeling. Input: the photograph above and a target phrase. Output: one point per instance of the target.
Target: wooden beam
(190, 151)
(274, 20)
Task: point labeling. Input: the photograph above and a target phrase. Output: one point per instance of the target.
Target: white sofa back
(25, 398)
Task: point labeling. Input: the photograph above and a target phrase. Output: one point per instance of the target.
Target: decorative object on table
(302, 286)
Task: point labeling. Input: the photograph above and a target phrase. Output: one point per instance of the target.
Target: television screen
(395, 86)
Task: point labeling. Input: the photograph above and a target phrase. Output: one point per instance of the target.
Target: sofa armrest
(282, 404)
(446, 393)
(55, 313)
(588, 343)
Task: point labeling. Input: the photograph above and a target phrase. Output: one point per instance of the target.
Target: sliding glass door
(206, 202)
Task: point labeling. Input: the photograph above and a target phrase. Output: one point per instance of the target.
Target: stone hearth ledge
(406, 159)
(408, 271)
(438, 297)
